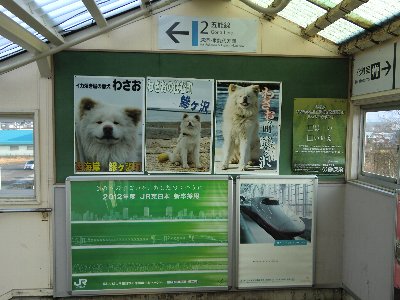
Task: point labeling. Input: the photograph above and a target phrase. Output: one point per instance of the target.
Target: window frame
(35, 198)
(380, 181)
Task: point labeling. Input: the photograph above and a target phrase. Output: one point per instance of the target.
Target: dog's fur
(187, 149)
(240, 126)
(107, 133)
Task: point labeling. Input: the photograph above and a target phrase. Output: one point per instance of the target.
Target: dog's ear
(86, 105)
(135, 114)
(197, 117)
(256, 89)
(185, 116)
(232, 88)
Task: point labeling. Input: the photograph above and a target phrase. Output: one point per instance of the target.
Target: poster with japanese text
(276, 231)
(109, 123)
(396, 279)
(179, 125)
(148, 233)
(247, 127)
(319, 136)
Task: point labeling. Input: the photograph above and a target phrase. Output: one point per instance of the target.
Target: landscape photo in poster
(276, 230)
(108, 123)
(179, 125)
(319, 136)
(247, 127)
(148, 234)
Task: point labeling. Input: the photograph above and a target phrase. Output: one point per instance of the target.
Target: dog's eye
(116, 123)
(99, 122)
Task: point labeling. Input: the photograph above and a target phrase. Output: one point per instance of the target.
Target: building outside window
(17, 172)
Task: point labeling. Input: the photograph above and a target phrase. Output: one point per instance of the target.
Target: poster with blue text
(247, 127)
(109, 123)
(179, 127)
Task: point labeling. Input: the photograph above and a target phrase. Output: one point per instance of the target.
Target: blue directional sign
(207, 34)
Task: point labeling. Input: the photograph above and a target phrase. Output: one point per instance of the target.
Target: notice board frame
(273, 180)
(230, 192)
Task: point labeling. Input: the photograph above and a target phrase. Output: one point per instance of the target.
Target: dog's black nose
(245, 99)
(107, 132)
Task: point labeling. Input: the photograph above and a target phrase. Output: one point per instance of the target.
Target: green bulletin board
(301, 77)
(141, 233)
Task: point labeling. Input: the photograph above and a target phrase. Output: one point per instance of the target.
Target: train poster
(137, 233)
(276, 231)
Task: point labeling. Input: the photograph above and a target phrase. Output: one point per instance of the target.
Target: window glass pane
(17, 156)
(381, 143)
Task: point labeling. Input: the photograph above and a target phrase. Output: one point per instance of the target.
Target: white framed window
(18, 154)
(379, 145)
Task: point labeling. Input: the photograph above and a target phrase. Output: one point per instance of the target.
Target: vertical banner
(247, 127)
(276, 231)
(109, 123)
(319, 136)
(179, 125)
(141, 234)
(397, 250)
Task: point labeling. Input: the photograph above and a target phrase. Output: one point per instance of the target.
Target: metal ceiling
(44, 27)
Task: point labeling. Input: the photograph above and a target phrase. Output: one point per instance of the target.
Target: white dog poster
(247, 117)
(109, 123)
(179, 129)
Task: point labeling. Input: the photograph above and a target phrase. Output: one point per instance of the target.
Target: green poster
(147, 233)
(319, 136)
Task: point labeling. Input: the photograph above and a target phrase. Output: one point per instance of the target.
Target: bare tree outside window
(381, 143)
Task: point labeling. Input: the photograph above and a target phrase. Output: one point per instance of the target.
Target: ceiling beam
(373, 38)
(23, 12)
(20, 36)
(334, 14)
(95, 12)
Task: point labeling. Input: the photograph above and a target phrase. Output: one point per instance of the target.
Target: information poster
(319, 136)
(109, 124)
(276, 231)
(148, 233)
(247, 133)
(179, 125)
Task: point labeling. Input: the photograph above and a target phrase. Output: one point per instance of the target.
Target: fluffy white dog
(240, 126)
(187, 149)
(107, 133)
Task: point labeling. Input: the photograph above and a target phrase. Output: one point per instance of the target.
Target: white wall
(26, 250)
(368, 246)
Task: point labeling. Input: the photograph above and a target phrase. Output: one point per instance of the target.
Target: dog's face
(107, 124)
(191, 124)
(244, 97)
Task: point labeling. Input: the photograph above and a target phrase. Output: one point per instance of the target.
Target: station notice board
(138, 233)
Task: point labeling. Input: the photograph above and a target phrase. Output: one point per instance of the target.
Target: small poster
(276, 231)
(109, 123)
(138, 233)
(248, 118)
(179, 127)
(319, 136)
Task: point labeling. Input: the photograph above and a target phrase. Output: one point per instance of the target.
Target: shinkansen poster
(276, 231)
(109, 123)
(141, 234)
(179, 125)
(319, 136)
(247, 118)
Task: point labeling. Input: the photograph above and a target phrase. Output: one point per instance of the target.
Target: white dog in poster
(107, 133)
(240, 127)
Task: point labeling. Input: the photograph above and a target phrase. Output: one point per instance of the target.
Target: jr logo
(81, 283)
